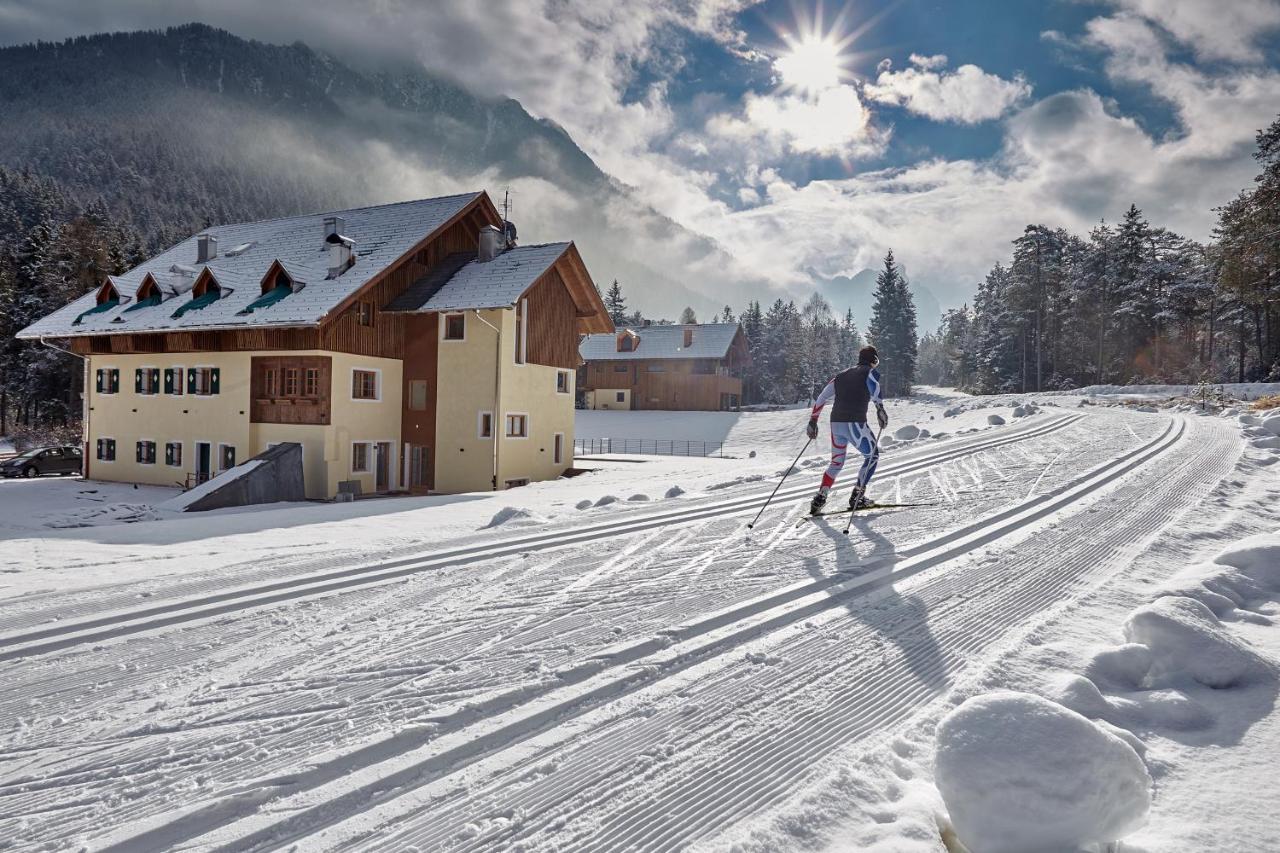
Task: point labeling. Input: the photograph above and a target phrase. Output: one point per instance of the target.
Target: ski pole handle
(780, 482)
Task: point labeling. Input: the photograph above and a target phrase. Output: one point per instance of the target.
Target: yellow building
(408, 347)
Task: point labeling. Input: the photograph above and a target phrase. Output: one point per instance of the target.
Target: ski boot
(859, 500)
(818, 502)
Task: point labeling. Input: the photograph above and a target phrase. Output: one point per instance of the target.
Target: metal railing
(647, 447)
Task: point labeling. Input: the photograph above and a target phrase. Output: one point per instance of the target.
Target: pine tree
(616, 304)
(893, 329)
(687, 317)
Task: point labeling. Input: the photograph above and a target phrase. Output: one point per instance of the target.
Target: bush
(1271, 401)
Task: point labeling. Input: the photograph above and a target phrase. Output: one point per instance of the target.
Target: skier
(853, 389)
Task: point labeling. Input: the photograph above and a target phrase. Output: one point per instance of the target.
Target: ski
(812, 516)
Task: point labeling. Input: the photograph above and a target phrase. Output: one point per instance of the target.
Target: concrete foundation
(270, 477)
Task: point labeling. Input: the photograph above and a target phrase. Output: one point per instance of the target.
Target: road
(645, 683)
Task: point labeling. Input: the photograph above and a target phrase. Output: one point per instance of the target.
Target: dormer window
(148, 294)
(206, 292)
(628, 341)
(106, 298)
(276, 285)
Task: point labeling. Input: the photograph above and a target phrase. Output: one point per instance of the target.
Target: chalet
(690, 367)
(409, 347)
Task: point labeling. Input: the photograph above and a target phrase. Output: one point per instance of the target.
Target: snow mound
(952, 412)
(583, 504)
(887, 441)
(1271, 423)
(907, 433)
(1188, 641)
(639, 497)
(1020, 411)
(1019, 773)
(995, 420)
(512, 515)
(1269, 443)
(924, 433)
(673, 492)
(1123, 666)
(606, 500)
(1249, 420)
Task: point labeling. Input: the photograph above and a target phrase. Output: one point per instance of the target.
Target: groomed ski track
(678, 678)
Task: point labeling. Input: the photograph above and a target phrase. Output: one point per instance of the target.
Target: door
(418, 468)
(382, 466)
(204, 460)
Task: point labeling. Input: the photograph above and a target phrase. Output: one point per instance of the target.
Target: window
(621, 397)
(522, 321)
(291, 375)
(485, 428)
(271, 382)
(107, 449)
(418, 395)
(146, 380)
(621, 368)
(173, 381)
(227, 456)
(173, 453)
(108, 380)
(557, 449)
(360, 458)
(704, 367)
(654, 367)
(203, 381)
(626, 343)
(311, 382)
(146, 452)
(512, 484)
(562, 382)
(364, 313)
(364, 384)
(517, 426)
(455, 327)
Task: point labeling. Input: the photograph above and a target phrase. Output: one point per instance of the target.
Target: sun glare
(816, 52)
(812, 65)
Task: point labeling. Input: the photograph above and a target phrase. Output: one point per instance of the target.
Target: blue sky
(953, 124)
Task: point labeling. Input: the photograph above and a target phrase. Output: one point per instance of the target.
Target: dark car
(42, 460)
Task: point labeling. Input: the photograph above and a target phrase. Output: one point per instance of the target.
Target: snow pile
(1019, 773)
(995, 420)
(1187, 640)
(907, 433)
(1271, 423)
(673, 492)
(513, 515)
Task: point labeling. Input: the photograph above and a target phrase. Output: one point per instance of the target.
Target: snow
(1018, 772)
(995, 420)
(1187, 641)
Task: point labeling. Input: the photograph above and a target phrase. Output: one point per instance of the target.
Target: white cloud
(928, 63)
(967, 95)
(1214, 29)
(834, 123)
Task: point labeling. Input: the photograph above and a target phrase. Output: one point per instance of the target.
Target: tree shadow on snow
(902, 620)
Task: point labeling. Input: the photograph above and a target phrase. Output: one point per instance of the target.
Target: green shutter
(168, 380)
(137, 381)
(214, 380)
(99, 441)
(155, 378)
(139, 447)
(115, 380)
(168, 454)
(98, 383)
(191, 380)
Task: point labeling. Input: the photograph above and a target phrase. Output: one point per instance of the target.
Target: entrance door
(418, 467)
(382, 466)
(204, 461)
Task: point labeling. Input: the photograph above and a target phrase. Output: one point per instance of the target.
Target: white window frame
(182, 452)
(221, 445)
(528, 429)
(377, 385)
(426, 399)
(444, 325)
(368, 458)
(155, 447)
(95, 449)
(480, 426)
(568, 381)
(557, 448)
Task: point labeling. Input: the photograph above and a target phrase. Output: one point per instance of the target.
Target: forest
(1130, 303)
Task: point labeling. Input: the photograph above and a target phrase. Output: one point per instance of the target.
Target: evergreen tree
(616, 304)
(687, 317)
(893, 329)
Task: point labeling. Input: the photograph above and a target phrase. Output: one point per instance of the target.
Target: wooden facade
(290, 389)
(418, 426)
(553, 323)
(672, 384)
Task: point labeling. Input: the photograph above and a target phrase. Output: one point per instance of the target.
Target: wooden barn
(687, 367)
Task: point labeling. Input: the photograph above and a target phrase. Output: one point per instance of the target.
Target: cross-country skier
(853, 389)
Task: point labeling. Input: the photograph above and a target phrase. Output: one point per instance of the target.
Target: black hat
(868, 355)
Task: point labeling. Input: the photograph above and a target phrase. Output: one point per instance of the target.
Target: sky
(808, 139)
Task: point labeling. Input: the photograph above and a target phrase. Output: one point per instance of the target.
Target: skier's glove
(882, 416)
(812, 429)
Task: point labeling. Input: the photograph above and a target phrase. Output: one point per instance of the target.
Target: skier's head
(868, 355)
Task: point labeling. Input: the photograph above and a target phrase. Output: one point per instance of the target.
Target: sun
(812, 65)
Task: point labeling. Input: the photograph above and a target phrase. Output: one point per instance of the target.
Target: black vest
(852, 395)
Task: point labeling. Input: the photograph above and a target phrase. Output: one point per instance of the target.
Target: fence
(647, 447)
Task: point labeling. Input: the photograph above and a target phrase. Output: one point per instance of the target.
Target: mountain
(177, 129)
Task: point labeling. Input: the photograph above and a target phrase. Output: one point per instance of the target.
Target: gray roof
(382, 235)
(710, 340)
(497, 283)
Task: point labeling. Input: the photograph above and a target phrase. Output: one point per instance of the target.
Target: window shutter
(168, 380)
(191, 380)
(155, 379)
(168, 451)
(99, 385)
(99, 440)
(137, 381)
(139, 451)
(115, 380)
(214, 380)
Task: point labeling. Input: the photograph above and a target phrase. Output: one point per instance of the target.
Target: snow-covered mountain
(191, 125)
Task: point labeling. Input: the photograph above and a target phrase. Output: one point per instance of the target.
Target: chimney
(334, 226)
(492, 243)
(688, 338)
(341, 255)
(206, 248)
(509, 232)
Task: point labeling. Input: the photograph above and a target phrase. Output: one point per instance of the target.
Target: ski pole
(779, 486)
(854, 512)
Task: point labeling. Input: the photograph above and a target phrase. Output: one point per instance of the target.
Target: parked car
(43, 460)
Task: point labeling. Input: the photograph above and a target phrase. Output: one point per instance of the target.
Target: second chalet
(690, 367)
(408, 347)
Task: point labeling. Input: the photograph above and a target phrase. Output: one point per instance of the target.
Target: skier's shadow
(901, 619)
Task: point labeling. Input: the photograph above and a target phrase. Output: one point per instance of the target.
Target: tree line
(796, 349)
(1132, 303)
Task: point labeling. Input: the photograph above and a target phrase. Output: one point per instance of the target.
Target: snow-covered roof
(382, 235)
(710, 340)
(497, 283)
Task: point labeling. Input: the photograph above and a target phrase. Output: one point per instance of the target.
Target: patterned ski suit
(854, 391)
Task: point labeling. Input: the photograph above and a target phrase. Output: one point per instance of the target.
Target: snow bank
(512, 515)
(907, 433)
(1019, 773)
(1187, 640)
(995, 420)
